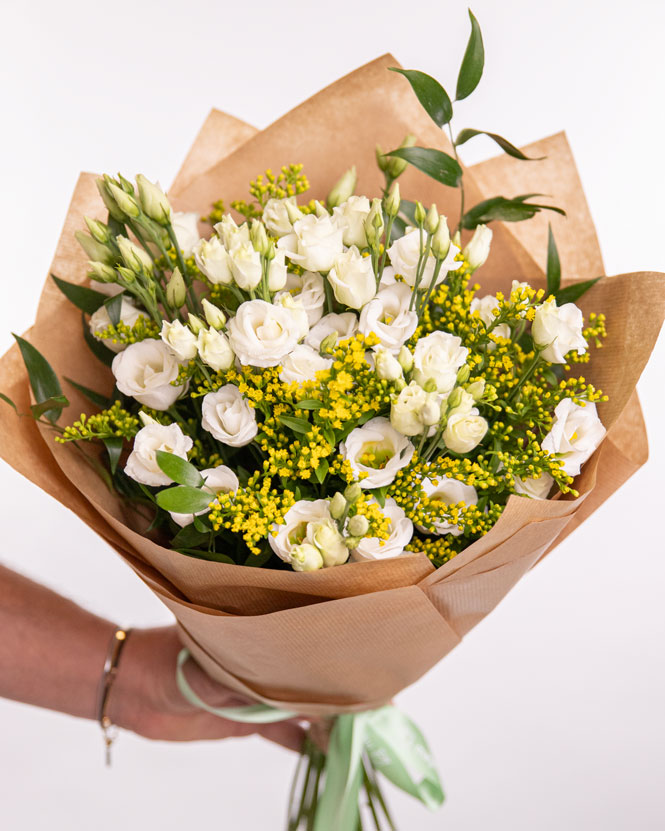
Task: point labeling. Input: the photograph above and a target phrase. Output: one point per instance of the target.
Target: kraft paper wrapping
(351, 637)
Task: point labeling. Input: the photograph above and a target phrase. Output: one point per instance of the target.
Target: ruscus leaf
(113, 446)
(504, 144)
(56, 402)
(298, 425)
(85, 299)
(432, 96)
(179, 469)
(113, 307)
(101, 352)
(43, 380)
(97, 398)
(573, 292)
(434, 163)
(184, 499)
(471, 70)
(506, 210)
(8, 400)
(553, 264)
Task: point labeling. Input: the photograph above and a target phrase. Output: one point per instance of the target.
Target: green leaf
(114, 449)
(88, 300)
(408, 208)
(329, 435)
(380, 495)
(43, 380)
(473, 62)
(206, 555)
(430, 93)
(184, 499)
(298, 425)
(101, 352)
(189, 537)
(258, 560)
(553, 264)
(113, 306)
(8, 400)
(506, 210)
(56, 402)
(436, 164)
(503, 143)
(97, 398)
(179, 470)
(309, 404)
(573, 292)
(322, 471)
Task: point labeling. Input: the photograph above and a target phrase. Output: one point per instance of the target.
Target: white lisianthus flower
(309, 289)
(214, 349)
(228, 416)
(438, 357)
(146, 371)
(100, 320)
(230, 233)
(217, 480)
(142, 461)
(277, 272)
(464, 431)
(302, 364)
(324, 535)
(485, 307)
(213, 260)
(352, 279)
(576, 433)
(388, 316)
(345, 325)
(448, 492)
(464, 403)
(295, 308)
(404, 255)
(387, 277)
(276, 216)
(401, 531)
(246, 266)
(478, 249)
(306, 557)
(261, 333)
(180, 339)
(386, 365)
(350, 217)
(293, 531)
(536, 488)
(186, 229)
(377, 449)
(314, 243)
(407, 410)
(559, 330)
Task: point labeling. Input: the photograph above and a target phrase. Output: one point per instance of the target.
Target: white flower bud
(214, 316)
(463, 374)
(102, 272)
(325, 536)
(306, 557)
(392, 201)
(557, 330)
(352, 493)
(214, 260)
(258, 236)
(464, 432)
(176, 291)
(405, 359)
(153, 200)
(337, 506)
(195, 323)
(432, 220)
(420, 214)
(441, 239)
(180, 339)
(430, 412)
(95, 250)
(374, 223)
(343, 188)
(214, 349)
(108, 200)
(320, 210)
(328, 344)
(358, 525)
(127, 204)
(387, 366)
(98, 230)
(134, 257)
(477, 389)
(478, 249)
(395, 166)
(293, 212)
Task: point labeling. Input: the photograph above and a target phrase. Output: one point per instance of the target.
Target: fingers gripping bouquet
(309, 416)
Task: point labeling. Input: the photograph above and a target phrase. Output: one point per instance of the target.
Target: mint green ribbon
(395, 746)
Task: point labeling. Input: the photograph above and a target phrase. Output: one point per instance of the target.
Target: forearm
(52, 651)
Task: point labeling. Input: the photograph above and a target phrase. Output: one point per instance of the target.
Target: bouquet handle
(383, 740)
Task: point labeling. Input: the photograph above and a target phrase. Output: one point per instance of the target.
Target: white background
(550, 714)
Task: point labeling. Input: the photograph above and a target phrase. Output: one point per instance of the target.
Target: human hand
(145, 697)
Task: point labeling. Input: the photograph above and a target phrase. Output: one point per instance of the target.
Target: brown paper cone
(348, 638)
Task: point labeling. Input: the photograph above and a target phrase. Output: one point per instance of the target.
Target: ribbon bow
(394, 744)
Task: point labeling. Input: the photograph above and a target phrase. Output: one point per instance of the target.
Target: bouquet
(331, 423)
